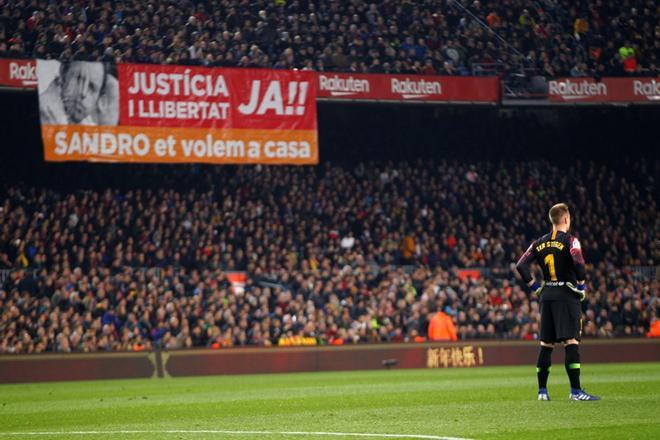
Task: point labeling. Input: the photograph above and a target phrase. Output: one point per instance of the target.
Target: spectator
(628, 58)
(442, 328)
(654, 331)
(355, 36)
(132, 269)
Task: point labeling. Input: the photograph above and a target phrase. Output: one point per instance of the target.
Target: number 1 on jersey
(549, 260)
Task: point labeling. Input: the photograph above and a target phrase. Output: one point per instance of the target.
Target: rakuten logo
(26, 72)
(338, 86)
(568, 89)
(649, 89)
(409, 89)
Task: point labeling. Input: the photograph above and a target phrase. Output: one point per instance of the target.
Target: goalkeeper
(560, 256)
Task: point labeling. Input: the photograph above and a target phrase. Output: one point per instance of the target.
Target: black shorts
(560, 319)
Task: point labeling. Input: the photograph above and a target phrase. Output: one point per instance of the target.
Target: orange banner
(178, 145)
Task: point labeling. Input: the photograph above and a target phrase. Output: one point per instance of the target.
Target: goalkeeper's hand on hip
(579, 289)
(536, 288)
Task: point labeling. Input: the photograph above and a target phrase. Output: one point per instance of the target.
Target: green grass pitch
(481, 403)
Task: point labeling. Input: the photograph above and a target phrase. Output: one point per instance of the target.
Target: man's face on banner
(81, 89)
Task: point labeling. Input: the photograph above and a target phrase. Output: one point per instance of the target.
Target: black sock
(543, 366)
(573, 365)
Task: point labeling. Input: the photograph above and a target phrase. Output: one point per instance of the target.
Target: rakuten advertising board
(607, 90)
(18, 73)
(176, 114)
(348, 86)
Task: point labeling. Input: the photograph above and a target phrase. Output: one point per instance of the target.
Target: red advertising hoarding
(18, 73)
(605, 90)
(408, 88)
(22, 73)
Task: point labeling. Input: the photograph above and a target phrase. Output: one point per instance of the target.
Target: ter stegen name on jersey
(550, 244)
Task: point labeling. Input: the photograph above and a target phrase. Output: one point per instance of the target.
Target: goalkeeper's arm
(522, 266)
(580, 273)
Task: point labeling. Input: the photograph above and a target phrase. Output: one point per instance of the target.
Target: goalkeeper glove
(536, 288)
(579, 290)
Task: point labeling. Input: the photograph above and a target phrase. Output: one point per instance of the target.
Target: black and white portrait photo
(77, 93)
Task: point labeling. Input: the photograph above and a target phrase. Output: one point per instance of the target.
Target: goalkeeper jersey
(560, 256)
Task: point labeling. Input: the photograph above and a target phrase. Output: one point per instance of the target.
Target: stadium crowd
(450, 37)
(333, 255)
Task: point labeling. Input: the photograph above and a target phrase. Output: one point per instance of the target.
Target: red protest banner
(183, 96)
(18, 73)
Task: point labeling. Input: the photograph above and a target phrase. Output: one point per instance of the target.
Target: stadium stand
(340, 254)
(549, 38)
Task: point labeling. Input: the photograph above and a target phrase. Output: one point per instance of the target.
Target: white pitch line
(215, 431)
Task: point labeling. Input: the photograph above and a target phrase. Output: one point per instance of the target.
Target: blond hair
(557, 212)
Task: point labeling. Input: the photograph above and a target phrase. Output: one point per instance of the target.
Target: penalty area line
(230, 432)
